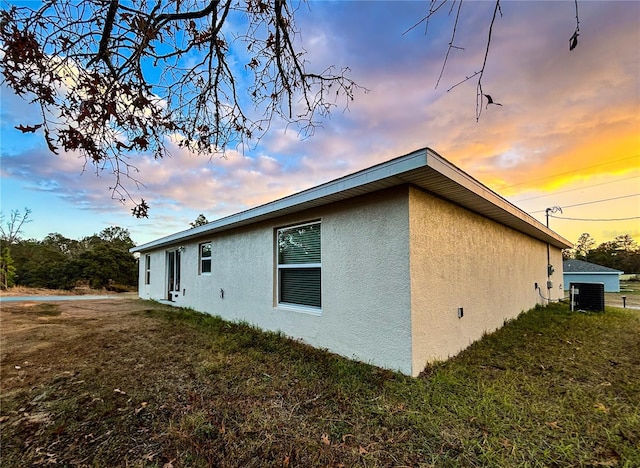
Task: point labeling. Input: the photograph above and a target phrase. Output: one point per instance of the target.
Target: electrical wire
(591, 202)
(548, 299)
(595, 219)
(575, 189)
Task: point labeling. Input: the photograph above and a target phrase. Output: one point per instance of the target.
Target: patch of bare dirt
(34, 327)
(79, 379)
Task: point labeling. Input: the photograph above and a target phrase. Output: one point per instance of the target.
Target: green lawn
(552, 388)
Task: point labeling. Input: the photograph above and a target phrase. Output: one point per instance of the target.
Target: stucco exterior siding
(365, 279)
(461, 259)
(156, 288)
(403, 245)
(365, 263)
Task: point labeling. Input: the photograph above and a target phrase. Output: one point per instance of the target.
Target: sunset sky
(567, 133)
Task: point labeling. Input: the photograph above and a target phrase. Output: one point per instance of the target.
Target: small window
(299, 265)
(147, 269)
(205, 258)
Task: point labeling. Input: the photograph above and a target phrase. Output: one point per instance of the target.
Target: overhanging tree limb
(115, 79)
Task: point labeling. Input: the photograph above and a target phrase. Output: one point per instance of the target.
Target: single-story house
(579, 271)
(398, 265)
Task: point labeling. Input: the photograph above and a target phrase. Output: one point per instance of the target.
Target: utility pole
(553, 209)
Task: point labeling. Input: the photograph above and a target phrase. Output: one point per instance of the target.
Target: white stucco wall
(156, 288)
(461, 259)
(365, 279)
(396, 266)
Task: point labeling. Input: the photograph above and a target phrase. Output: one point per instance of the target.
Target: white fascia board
(401, 170)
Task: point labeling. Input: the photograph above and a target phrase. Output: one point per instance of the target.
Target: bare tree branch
(479, 93)
(451, 46)
(427, 18)
(117, 79)
(573, 41)
(10, 229)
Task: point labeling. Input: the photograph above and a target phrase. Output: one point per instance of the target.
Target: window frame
(147, 269)
(312, 309)
(202, 259)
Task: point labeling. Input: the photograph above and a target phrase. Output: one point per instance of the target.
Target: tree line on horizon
(621, 253)
(103, 260)
(99, 261)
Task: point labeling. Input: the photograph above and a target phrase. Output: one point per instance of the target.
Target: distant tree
(626, 243)
(604, 254)
(118, 237)
(62, 244)
(105, 265)
(43, 264)
(7, 268)
(622, 253)
(628, 254)
(201, 220)
(10, 230)
(583, 246)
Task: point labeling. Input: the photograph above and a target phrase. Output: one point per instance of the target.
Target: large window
(205, 258)
(147, 269)
(299, 265)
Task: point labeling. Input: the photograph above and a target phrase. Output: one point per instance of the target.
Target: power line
(592, 202)
(572, 171)
(595, 219)
(575, 189)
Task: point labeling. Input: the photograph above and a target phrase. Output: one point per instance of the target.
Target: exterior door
(173, 276)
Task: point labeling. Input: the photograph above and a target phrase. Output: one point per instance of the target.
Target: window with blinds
(299, 265)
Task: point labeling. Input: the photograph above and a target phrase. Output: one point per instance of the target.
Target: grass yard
(133, 383)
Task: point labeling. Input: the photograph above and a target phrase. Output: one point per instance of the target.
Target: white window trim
(309, 310)
(301, 309)
(147, 269)
(201, 259)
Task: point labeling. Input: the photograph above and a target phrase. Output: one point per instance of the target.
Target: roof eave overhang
(423, 168)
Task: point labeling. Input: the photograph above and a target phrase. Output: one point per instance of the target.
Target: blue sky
(568, 132)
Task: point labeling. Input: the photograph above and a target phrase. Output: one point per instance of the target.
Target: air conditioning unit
(587, 296)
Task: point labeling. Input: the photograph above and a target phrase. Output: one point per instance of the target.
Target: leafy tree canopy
(201, 220)
(102, 260)
(621, 253)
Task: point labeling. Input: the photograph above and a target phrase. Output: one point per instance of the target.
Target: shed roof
(580, 266)
(423, 168)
